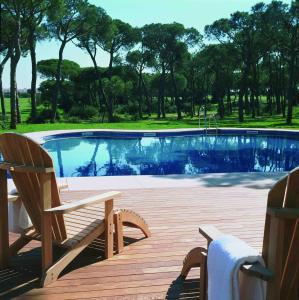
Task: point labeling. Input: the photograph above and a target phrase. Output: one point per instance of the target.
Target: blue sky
(195, 13)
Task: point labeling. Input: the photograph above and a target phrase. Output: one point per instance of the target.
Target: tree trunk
(13, 87)
(252, 106)
(140, 96)
(243, 91)
(57, 86)
(245, 86)
(247, 104)
(18, 111)
(219, 94)
(110, 98)
(193, 97)
(2, 64)
(256, 88)
(192, 105)
(3, 110)
(147, 97)
(229, 102)
(176, 96)
(161, 103)
(241, 106)
(33, 76)
(221, 107)
(15, 57)
(291, 87)
(101, 92)
(278, 87)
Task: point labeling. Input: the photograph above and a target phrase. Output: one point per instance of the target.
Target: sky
(191, 13)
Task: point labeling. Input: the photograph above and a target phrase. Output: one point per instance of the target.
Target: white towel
(225, 281)
(18, 218)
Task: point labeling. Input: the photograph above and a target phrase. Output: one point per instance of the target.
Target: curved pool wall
(44, 136)
(199, 164)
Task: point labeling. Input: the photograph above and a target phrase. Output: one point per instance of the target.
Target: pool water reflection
(90, 156)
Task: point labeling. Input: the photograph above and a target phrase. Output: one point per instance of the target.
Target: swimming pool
(104, 154)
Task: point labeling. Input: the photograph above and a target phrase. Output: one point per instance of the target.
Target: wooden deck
(149, 268)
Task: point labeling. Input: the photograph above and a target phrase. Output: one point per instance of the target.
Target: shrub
(44, 116)
(132, 108)
(85, 113)
(170, 107)
(121, 109)
(75, 120)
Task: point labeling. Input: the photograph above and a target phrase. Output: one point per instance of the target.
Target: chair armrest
(209, 232)
(257, 270)
(283, 213)
(69, 207)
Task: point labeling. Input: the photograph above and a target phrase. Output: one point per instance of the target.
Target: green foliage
(84, 113)
(250, 69)
(68, 19)
(181, 82)
(73, 119)
(115, 87)
(44, 116)
(47, 69)
(152, 123)
(67, 94)
(121, 36)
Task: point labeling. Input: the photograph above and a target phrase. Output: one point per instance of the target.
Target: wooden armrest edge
(69, 207)
(257, 270)
(210, 232)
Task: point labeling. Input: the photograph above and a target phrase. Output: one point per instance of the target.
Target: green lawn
(152, 123)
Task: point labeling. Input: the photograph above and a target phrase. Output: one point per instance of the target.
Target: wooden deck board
(148, 268)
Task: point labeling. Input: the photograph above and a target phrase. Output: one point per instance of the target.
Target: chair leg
(203, 276)
(46, 222)
(119, 234)
(192, 260)
(4, 237)
(127, 217)
(15, 247)
(55, 270)
(109, 228)
(197, 257)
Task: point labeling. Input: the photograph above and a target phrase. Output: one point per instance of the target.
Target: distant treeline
(156, 69)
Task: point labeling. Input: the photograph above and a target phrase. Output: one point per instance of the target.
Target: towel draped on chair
(225, 280)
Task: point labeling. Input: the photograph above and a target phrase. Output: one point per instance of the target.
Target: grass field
(153, 123)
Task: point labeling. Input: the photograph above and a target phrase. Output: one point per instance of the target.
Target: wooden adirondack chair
(71, 225)
(280, 245)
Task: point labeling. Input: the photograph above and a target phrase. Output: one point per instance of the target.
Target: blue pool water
(104, 156)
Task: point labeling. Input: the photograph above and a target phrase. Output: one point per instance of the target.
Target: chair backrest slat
(18, 149)
(281, 239)
(290, 277)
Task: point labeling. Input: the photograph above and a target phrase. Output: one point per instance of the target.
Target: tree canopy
(246, 64)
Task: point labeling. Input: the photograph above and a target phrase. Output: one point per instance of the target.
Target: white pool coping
(40, 135)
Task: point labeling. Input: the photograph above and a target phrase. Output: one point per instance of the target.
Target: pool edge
(43, 136)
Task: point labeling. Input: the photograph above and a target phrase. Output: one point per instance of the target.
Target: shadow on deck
(147, 268)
